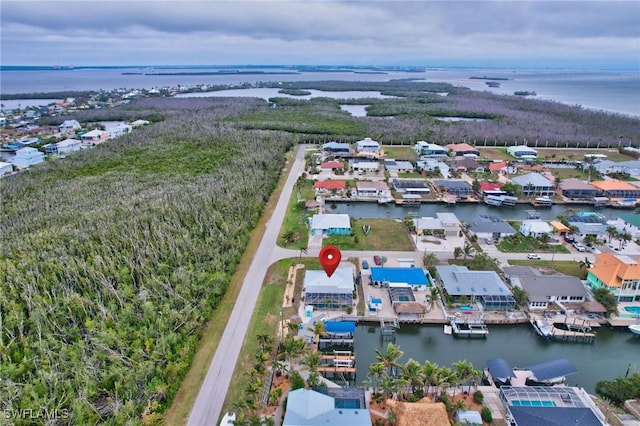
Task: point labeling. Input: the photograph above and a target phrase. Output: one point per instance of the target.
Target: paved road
(208, 406)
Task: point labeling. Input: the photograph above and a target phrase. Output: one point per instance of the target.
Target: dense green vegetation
(620, 389)
(114, 258)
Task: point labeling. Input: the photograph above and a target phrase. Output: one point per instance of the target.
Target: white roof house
(535, 228)
(69, 126)
(26, 157)
(138, 123)
(522, 151)
(119, 130)
(534, 184)
(426, 149)
(69, 145)
(5, 168)
(330, 224)
(95, 135)
(306, 407)
(368, 145)
(341, 281)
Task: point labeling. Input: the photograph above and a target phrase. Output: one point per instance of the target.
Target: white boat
(543, 328)
(635, 329)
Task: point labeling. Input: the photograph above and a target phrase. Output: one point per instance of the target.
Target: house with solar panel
(483, 287)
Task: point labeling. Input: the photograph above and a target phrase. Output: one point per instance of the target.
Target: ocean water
(617, 92)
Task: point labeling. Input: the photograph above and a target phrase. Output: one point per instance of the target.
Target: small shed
(469, 417)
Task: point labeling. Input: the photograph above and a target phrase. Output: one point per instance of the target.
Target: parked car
(533, 256)
(377, 260)
(365, 264)
(489, 241)
(579, 247)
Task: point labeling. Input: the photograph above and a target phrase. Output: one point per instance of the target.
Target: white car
(533, 256)
(579, 247)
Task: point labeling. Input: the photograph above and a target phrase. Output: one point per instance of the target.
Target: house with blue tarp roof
(411, 276)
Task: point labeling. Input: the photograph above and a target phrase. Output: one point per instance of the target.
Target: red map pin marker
(330, 257)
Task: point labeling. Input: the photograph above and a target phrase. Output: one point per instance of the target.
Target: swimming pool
(633, 309)
(529, 403)
(347, 403)
(465, 308)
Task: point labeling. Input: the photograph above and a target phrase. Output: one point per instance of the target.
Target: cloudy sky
(598, 34)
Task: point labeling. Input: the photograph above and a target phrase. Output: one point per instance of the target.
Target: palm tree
(430, 260)
(412, 373)
(389, 358)
(611, 232)
(375, 375)
(467, 250)
(457, 252)
(625, 237)
(430, 372)
(311, 363)
(446, 378)
(265, 341)
(318, 329)
(464, 370)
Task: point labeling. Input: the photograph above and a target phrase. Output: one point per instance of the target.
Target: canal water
(464, 211)
(606, 358)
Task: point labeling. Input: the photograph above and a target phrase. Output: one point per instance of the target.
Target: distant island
(489, 78)
(524, 93)
(294, 92)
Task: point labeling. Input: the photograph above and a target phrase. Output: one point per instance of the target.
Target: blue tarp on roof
(340, 326)
(411, 276)
(500, 369)
(551, 369)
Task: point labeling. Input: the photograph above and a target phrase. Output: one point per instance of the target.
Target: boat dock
(338, 362)
(468, 327)
(573, 331)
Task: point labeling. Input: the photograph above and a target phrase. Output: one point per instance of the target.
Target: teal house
(330, 224)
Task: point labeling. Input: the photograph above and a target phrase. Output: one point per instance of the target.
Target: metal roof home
(615, 188)
(457, 187)
(490, 226)
(535, 228)
(522, 151)
(486, 286)
(334, 292)
(306, 407)
(411, 276)
(577, 189)
(330, 224)
(337, 147)
(425, 149)
(368, 145)
(543, 289)
(534, 184)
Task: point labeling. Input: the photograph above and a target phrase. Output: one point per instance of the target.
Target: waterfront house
(324, 292)
(462, 150)
(26, 157)
(307, 407)
(398, 166)
(485, 287)
(430, 150)
(331, 166)
(331, 187)
(337, 148)
(535, 228)
(5, 168)
(432, 164)
(364, 166)
(523, 152)
(607, 167)
(491, 188)
(69, 126)
(28, 142)
(414, 277)
(368, 146)
(549, 405)
(403, 302)
(617, 273)
(543, 290)
(94, 137)
(588, 223)
(330, 224)
(534, 185)
(614, 188)
(487, 226)
(559, 227)
(445, 224)
(139, 123)
(375, 189)
(467, 165)
(459, 188)
(576, 189)
(410, 186)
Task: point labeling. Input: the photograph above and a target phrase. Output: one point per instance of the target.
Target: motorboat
(635, 329)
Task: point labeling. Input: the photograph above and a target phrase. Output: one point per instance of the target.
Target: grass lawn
(567, 267)
(179, 411)
(263, 321)
(295, 221)
(495, 153)
(400, 153)
(521, 244)
(570, 173)
(385, 234)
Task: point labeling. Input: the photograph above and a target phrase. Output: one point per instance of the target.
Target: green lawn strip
(571, 174)
(385, 234)
(529, 245)
(495, 153)
(567, 267)
(400, 152)
(263, 321)
(295, 221)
